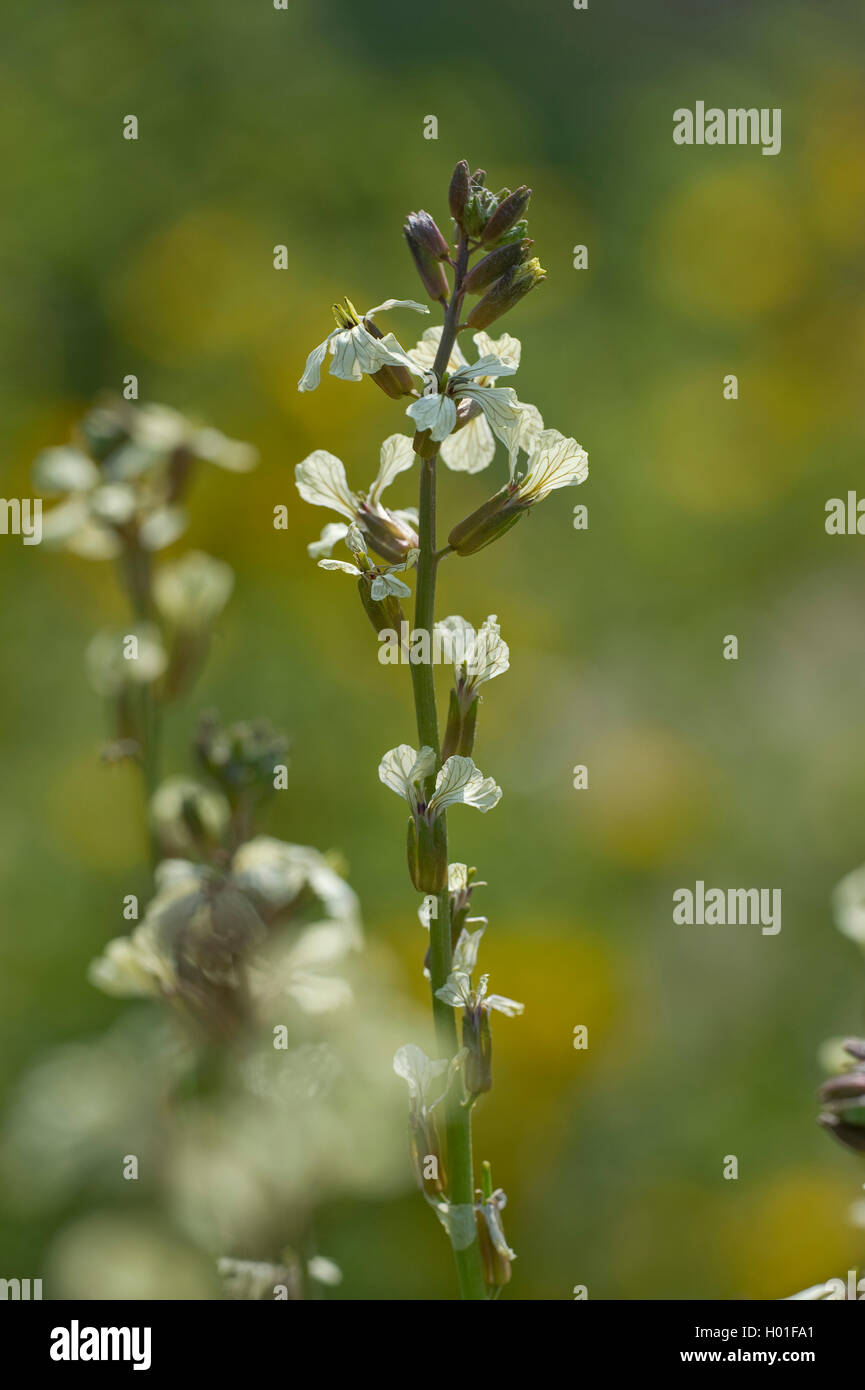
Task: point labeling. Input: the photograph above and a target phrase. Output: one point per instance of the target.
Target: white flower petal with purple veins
(488, 366)
(435, 413)
(424, 352)
(459, 781)
(396, 456)
(470, 449)
(403, 769)
(555, 462)
(320, 480)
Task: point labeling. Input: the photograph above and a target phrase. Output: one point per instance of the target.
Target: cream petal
(555, 462)
(396, 767)
(460, 781)
(321, 481)
(397, 304)
(312, 371)
(64, 470)
(507, 348)
(340, 565)
(424, 352)
(435, 413)
(397, 455)
(334, 531)
(384, 584)
(470, 449)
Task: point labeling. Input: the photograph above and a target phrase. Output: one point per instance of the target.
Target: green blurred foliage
(304, 127)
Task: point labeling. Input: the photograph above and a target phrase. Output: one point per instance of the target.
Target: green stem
(458, 1124)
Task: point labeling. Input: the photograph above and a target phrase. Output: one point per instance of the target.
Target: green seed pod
(481, 276)
(483, 526)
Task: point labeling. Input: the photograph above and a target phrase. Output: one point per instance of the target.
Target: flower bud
(495, 264)
(483, 526)
(458, 191)
(479, 207)
(428, 248)
(509, 211)
(426, 851)
(505, 292)
(386, 535)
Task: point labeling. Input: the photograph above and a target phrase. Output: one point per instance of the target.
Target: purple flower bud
(504, 258)
(428, 248)
(458, 191)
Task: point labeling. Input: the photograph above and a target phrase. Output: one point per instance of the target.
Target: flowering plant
(458, 412)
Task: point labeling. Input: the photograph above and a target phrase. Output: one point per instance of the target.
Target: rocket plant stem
(459, 1132)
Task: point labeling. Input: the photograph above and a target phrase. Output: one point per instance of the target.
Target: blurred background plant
(260, 1087)
(706, 518)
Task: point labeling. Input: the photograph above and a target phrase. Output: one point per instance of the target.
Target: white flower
(144, 453)
(472, 447)
(554, 462)
(191, 592)
(477, 656)
(848, 901)
(458, 991)
(404, 770)
(110, 668)
(382, 577)
(321, 481)
(356, 351)
(437, 412)
(426, 1080)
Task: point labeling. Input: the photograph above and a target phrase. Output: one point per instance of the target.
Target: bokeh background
(304, 127)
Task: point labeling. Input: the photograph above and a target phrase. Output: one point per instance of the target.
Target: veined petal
(424, 352)
(507, 348)
(458, 638)
(321, 480)
(460, 781)
(555, 462)
(312, 371)
(490, 365)
(397, 304)
(396, 767)
(356, 352)
(470, 449)
(397, 455)
(456, 991)
(334, 531)
(340, 565)
(435, 413)
(490, 656)
(501, 408)
(386, 583)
